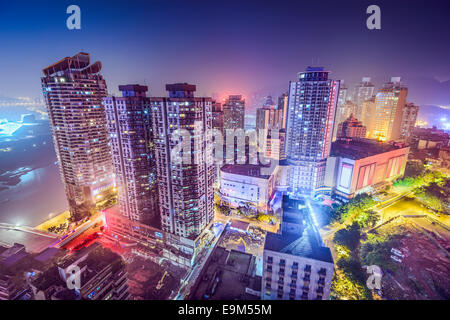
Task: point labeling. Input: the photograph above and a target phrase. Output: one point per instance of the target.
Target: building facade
(342, 110)
(363, 166)
(217, 116)
(131, 138)
(409, 118)
(269, 118)
(389, 104)
(234, 112)
(276, 146)
(368, 115)
(247, 186)
(363, 91)
(311, 115)
(296, 266)
(186, 193)
(74, 91)
(283, 105)
(351, 128)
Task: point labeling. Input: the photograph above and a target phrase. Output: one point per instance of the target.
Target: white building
(248, 185)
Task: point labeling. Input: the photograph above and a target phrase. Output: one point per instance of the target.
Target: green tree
(349, 237)
(81, 211)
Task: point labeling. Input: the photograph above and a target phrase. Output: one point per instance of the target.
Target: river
(40, 193)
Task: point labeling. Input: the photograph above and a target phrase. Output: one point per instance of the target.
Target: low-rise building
(296, 264)
(227, 275)
(12, 279)
(362, 165)
(102, 276)
(248, 185)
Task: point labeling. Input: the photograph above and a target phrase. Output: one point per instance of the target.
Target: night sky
(228, 47)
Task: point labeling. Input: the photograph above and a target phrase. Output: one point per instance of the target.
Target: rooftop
(47, 254)
(298, 236)
(226, 276)
(78, 63)
(358, 148)
(303, 246)
(250, 170)
(238, 224)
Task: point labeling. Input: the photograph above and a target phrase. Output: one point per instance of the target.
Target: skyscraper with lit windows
(131, 138)
(186, 192)
(234, 112)
(363, 91)
(312, 106)
(390, 101)
(74, 91)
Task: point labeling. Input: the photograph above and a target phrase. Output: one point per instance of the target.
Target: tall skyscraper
(343, 91)
(185, 189)
(131, 136)
(282, 105)
(342, 111)
(234, 112)
(363, 91)
(74, 91)
(368, 114)
(409, 118)
(217, 116)
(312, 106)
(389, 103)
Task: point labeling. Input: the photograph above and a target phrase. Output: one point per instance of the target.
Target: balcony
(294, 276)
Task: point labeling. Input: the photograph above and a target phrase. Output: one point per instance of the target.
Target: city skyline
(245, 58)
(189, 151)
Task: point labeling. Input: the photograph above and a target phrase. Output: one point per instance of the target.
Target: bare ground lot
(149, 281)
(425, 269)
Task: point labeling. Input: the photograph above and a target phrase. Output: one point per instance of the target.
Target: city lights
(241, 152)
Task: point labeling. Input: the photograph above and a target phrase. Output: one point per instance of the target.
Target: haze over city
(241, 152)
(232, 47)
